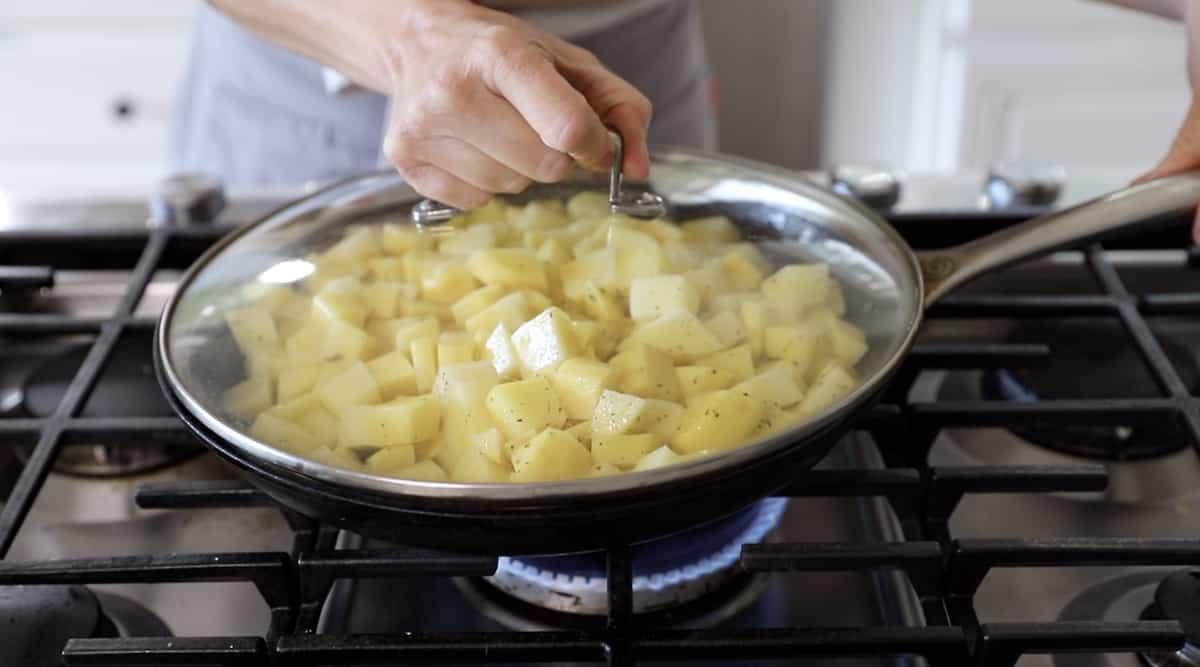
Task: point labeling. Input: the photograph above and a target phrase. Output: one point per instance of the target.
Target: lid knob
(876, 187)
(1017, 184)
(187, 199)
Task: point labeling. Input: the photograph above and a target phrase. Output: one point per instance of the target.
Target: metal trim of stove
(931, 576)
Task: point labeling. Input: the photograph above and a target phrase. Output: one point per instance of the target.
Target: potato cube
(737, 360)
(473, 467)
(715, 229)
(604, 470)
(387, 269)
(654, 296)
(296, 408)
(359, 245)
(462, 390)
(802, 285)
(491, 444)
(502, 354)
(582, 432)
(297, 380)
(438, 311)
(455, 347)
(586, 333)
(303, 347)
(250, 397)
(321, 424)
(836, 299)
(623, 450)
(707, 280)
(680, 334)
(775, 386)
(423, 352)
(741, 272)
(540, 214)
(727, 326)
(400, 239)
(344, 342)
(510, 267)
(265, 360)
(341, 300)
(383, 299)
(394, 374)
(638, 255)
(524, 408)
(353, 386)
(511, 311)
(468, 240)
(587, 205)
(403, 422)
(551, 455)
(340, 458)
(579, 383)
(553, 253)
(720, 420)
(390, 459)
(413, 328)
(800, 343)
(600, 303)
(472, 303)
(252, 328)
(831, 385)
(446, 283)
(648, 372)
(659, 458)
(282, 433)
(545, 341)
(754, 323)
(662, 230)
(598, 267)
(625, 413)
(696, 380)
(428, 471)
(847, 342)
(537, 301)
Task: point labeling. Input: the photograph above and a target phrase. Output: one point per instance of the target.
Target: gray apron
(258, 115)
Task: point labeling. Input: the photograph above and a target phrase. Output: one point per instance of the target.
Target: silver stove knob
(187, 199)
(1018, 184)
(876, 187)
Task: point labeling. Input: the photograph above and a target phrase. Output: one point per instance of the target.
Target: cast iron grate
(943, 571)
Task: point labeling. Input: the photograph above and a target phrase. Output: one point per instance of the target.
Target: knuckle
(515, 184)
(553, 167)
(399, 147)
(568, 132)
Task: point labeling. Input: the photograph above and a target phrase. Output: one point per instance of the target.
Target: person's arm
(482, 101)
(1184, 154)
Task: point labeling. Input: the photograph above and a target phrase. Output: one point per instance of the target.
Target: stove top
(1028, 491)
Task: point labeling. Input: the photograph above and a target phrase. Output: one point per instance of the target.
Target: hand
(486, 103)
(1183, 156)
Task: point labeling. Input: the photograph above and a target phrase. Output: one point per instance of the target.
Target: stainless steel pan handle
(1137, 206)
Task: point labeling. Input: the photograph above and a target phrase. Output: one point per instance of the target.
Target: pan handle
(1124, 210)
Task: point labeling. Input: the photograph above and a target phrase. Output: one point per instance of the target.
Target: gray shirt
(259, 115)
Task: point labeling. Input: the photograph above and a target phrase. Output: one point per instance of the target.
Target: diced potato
(470, 304)
(468, 240)
(490, 443)
(727, 326)
(341, 300)
(296, 380)
(296, 408)
(321, 424)
(847, 342)
(545, 341)
(399, 239)
(618, 413)
(579, 383)
(394, 374)
(551, 455)
(738, 361)
(600, 303)
(832, 384)
(741, 272)
(502, 354)
(800, 343)
(414, 328)
(387, 269)
(537, 301)
(663, 231)
(598, 267)
(680, 334)
(720, 420)
(383, 299)
(754, 321)
(654, 296)
(282, 433)
(623, 450)
(447, 283)
(524, 408)
(707, 280)
(540, 214)
(339, 458)
(455, 347)
(473, 467)
(250, 397)
(604, 470)
(648, 372)
(801, 285)
(266, 360)
(511, 311)
(390, 459)
(510, 267)
(553, 253)
(836, 299)
(775, 386)
(423, 352)
(344, 342)
(359, 245)
(586, 333)
(716, 229)
(587, 205)
(406, 421)
(418, 308)
(428, 471)
(659, 458)
(638, 255)
(353, 386)
(462, 390)
(582, 432)
(696, 380)
(252, 328)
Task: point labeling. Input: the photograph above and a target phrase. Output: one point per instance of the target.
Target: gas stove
(1028, 491)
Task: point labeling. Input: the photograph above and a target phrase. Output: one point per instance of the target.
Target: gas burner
(1120, 599)
(1177, 598)
(40, 619)
(126, 388)
(690, 575)
(1106, 366)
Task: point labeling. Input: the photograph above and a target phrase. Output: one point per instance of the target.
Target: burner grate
(944, 572)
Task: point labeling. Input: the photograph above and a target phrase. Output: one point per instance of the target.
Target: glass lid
(540, 339)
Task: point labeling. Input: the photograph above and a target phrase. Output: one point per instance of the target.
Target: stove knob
(876, 187)
(1019, 184)
(187, 199)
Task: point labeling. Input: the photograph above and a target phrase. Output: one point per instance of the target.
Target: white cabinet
(959, 84)
(88, 88)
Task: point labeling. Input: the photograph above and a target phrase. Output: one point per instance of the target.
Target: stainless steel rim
(524, 492)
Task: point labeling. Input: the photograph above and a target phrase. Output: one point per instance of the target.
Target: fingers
(469, 164)
(498, 130)
(561, 116)
(440, 185)
(618, 104)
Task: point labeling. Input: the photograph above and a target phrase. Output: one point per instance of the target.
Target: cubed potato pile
(534, 343)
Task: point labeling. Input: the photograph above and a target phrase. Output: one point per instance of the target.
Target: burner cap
(1177, 598)
(37, 621)
(1091, 359)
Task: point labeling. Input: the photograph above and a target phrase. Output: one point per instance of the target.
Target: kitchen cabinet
(966, 83)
